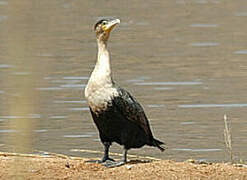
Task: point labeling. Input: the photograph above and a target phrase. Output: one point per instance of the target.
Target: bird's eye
(104, 22)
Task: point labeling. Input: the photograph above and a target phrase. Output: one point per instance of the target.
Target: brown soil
(18, 166)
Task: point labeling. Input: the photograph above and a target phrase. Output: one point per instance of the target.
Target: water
(185, 61)
(244, 52)
(198, 25)
(204, 44)
(212, 105)
(167, 83)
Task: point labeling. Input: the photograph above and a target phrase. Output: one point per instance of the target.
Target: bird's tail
(158, 144)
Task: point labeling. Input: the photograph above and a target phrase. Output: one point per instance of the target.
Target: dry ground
(18, 166)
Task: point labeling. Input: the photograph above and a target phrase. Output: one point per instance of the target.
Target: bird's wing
(132, 110)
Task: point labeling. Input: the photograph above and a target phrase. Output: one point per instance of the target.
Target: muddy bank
(21, 166)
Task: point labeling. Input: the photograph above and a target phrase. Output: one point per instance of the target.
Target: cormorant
(117, 115)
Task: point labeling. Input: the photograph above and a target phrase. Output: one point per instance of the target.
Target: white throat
(100, 88)
(101, 75)
(103, 68)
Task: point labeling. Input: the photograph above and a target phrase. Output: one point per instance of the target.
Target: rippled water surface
(184, 60)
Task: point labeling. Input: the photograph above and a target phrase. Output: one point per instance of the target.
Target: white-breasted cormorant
(117, 115)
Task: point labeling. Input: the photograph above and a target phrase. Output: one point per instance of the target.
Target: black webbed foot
(107, 159)
(109, 162)
(112, 164)
(101, 161)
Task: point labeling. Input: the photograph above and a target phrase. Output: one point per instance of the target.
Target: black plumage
(124, 122)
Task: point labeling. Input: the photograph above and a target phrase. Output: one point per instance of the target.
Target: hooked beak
(111, 25)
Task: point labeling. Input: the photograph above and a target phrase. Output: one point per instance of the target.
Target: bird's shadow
(138, 161)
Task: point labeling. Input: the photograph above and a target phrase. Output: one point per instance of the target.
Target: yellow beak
(111, 24)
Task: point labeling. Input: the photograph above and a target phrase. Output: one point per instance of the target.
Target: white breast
(99, 95)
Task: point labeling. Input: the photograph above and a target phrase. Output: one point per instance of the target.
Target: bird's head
(103, 28)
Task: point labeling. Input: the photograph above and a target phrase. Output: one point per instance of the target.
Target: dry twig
(228, 137)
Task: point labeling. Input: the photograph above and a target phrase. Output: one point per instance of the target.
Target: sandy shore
(21, 166)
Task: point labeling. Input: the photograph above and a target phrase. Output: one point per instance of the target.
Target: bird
(118, 116)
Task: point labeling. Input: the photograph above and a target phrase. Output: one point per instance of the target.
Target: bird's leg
(119, 163)
(125, 155)
(106, 154)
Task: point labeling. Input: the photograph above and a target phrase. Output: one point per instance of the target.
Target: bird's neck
(102, 70)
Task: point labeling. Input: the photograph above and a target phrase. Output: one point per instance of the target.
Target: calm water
(185, 61)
